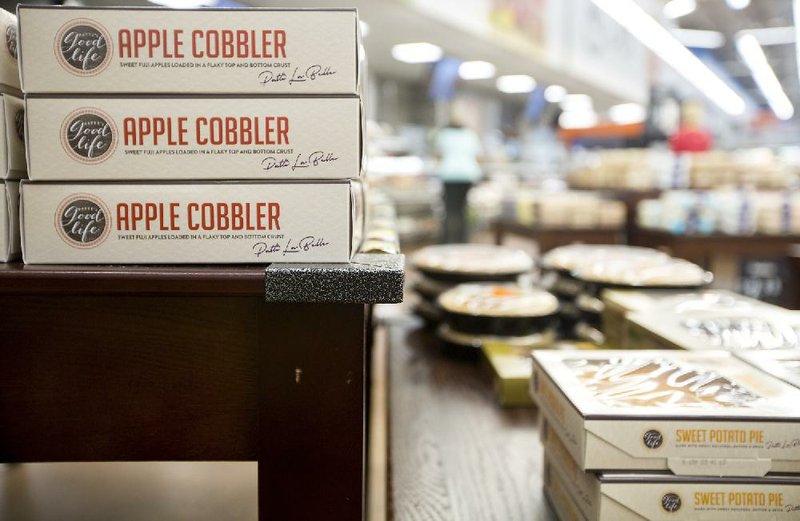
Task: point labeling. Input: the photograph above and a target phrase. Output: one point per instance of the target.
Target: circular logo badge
(19, 123)
(82, 221)
(11, 40)
(89, 135)
(83, 47)
(652, 439)
(671, 502)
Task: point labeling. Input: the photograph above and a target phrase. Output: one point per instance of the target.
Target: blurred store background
(639, 121)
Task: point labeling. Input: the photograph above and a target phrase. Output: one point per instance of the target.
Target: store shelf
(454, 453)
(549, 238)
(700, 248)
(113, 363)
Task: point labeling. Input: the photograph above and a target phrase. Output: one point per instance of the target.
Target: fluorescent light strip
(700, 39)
(515, 84)
(772, 35)
(796, 16)
(554, 93)
(737, 4)
(753, 55)
(627, 113)
(476, 70)
(577, 102)
(578, 119)
(419, 52)
(677, 8)
(658, 39)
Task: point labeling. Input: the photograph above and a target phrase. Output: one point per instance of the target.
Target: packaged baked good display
(178, 223)
(101, 138)
(636, 496)
(471, 262)
(696, 413)
(498, 309)
(198, 51)
(761, 328)
(781, 363)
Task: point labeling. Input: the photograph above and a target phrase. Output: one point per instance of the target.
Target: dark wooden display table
(700, 248)
(549, 238)
(195, 364)
(454, 453)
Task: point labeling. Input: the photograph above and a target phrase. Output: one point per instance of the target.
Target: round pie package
(471, 262)
(498, 309)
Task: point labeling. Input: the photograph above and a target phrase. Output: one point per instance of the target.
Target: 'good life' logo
(82, 221)
(83, 47)
(89, 136)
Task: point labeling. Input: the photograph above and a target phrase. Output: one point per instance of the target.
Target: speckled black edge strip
(370, 278)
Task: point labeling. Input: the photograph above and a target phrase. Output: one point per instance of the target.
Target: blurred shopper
(691, 136)
(458, 148)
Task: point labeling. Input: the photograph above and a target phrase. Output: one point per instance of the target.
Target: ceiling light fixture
(753, 55)
(554, 93)
(578, 119)
(772, 35)
(677, 8)
(577, 102)
(476, 70)
(700, 39)
(658, 39)
(515, 84)
(737, 4)
(418, 52)
(627, 113)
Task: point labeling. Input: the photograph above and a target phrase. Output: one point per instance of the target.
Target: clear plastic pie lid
(653, 382)
(744, 332)
(644, 272)
(472, 259)
(498, 300)
(577, 256)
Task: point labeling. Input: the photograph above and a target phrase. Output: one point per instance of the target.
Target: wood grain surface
(454, 454)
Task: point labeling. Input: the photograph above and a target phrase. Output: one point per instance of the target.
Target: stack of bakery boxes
(191, 136)
(668, 434)
(12, 145)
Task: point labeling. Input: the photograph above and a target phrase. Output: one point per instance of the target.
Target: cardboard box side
(584, 489)
(319, 58)
(14, 248)
(5, 225)
(16, 166)
(92, 223)
(197, 138)
(9, 69)
(708, 501)
(563, 418)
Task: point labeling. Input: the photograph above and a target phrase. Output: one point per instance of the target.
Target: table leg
(311, 411)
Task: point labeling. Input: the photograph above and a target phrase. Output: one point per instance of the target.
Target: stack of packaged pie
(442, 267)
(666, 435)
(181, 136)
(579, 274)
(12, 139)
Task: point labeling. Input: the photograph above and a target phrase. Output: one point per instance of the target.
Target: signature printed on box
(311, 73)
(292, 246)
(313, 159)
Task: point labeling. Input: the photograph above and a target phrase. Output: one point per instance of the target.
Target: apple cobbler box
(177, 223)
(618, 496)
(201, 51)
(110, 139)
(9, 68)
(694, 413)
(12, 138)
(9, 221)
